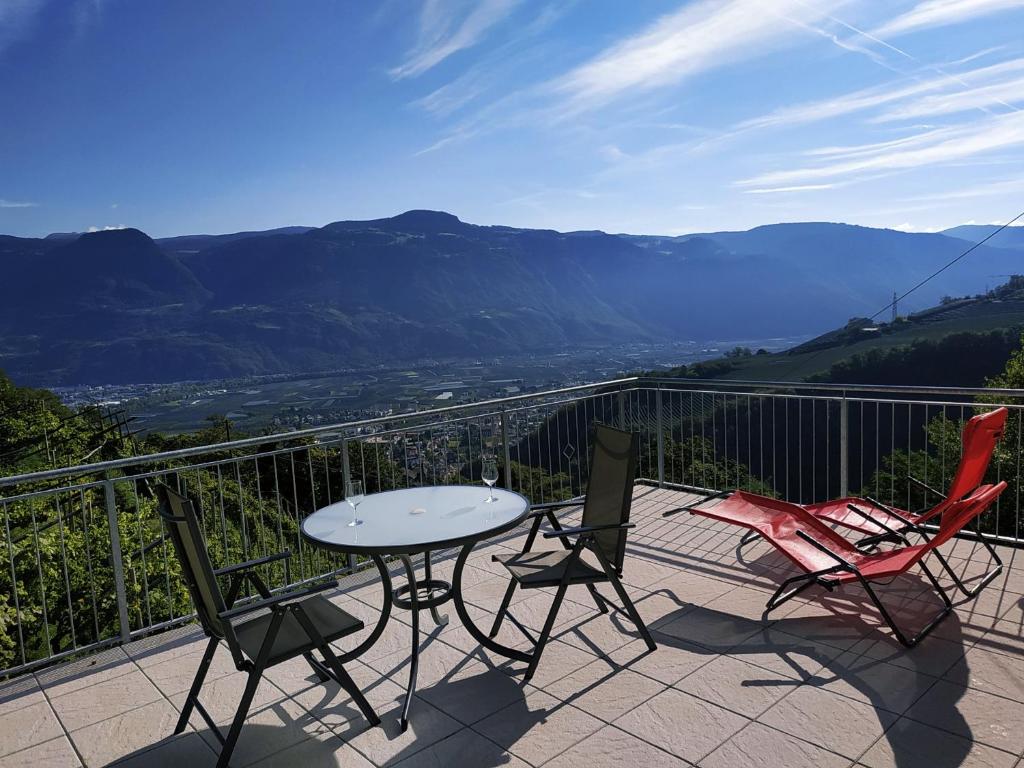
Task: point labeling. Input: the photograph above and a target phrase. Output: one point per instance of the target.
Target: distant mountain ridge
(117, 306)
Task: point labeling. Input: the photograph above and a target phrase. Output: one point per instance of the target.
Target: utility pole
(894, 306)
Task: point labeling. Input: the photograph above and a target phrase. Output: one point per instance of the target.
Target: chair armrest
(587, 529)
(887, 528)
(819, 546)
(228, 569)
(925, 487)
(271, 602)
(542, 509)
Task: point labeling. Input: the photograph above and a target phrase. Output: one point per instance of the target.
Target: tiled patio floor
(820, 684)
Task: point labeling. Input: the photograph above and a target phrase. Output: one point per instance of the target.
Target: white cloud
(16, 204)
(441, 35)
(997, 188)
(797, 188)
(936, 13)
(106, 229)
(878, 96)
(701, 36)
(933, 147)
(1002, 94)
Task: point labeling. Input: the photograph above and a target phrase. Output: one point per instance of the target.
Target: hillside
(117, 306)
(1010, 237)
(960, 342)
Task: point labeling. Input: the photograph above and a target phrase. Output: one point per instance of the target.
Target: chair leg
(972, 592)
(349, 685)
(549, 624)
(947, 608)
(781, 595)
(634, 614)
(243, 710)
(197, 684)
(503, 609)
(599, 601)
(317, 667)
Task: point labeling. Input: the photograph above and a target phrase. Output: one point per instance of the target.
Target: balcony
(821, 682)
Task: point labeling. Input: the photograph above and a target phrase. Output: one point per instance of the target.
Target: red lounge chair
(980, 435)
(828, 559)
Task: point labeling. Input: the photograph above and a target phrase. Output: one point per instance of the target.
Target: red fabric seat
(980, 435)
(829, 559)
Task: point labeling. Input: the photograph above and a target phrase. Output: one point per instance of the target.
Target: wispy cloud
(16, 204)
(936, 13)
(996, 188)
(703, 35)
(932, 147)
(797, 188)
(1002, 94)
(879, 96)
(443, 32)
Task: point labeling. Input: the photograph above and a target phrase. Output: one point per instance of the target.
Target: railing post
(506, 448)
(661, 439)
(116, 560)
(844, 447)
(621, 401)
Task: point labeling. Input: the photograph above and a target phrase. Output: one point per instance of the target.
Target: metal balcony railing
(84, 562)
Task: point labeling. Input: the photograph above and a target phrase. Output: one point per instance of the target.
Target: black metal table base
(423, 594)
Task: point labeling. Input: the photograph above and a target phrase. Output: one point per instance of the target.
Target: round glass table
(417, 521)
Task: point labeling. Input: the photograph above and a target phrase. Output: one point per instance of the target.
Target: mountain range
(119, 307)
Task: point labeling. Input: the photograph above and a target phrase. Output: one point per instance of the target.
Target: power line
(896, 299)
(938, 272)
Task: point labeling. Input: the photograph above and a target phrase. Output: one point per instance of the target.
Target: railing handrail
(646, 381)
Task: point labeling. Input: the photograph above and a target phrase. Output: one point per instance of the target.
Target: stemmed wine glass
(489, 474)
(354, 495)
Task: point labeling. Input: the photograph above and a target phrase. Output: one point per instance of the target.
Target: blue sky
(649, 117)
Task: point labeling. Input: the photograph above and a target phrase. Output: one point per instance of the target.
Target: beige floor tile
(189, 749)
(686, 726)
(459, 685)
(319, 750)
(841, 724)
(909, 744)
(873, 682)
(463, 748)
(387, 744)
(604, 690)
(736, 685)
(611, 747)
(758, 746)
(716, 630)
(671, 662)
(599, 633)
(85, 673)
(97, 702)
(176, 674)
(991, 672)
(55, 753)
(785, 654)
(19, 692)
(129, 733)
(538, 728)
(165, 645)
(989, 719)
(28, 726)
(269, 729)
(220, 697)
(558, 660)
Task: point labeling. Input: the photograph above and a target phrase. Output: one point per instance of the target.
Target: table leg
(467, 622)
(439, 620)
(385, 614)
(414, 661)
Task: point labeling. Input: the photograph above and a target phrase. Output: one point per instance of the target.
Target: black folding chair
(603, 532)
(295, 624)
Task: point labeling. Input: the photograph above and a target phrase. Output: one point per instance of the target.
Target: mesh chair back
(183, 527)
(610, 488)
(981, 433)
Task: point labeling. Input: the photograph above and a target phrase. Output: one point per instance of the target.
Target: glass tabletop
(415, 520)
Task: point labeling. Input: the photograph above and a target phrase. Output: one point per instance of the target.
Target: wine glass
(354, 495)
(489, 474)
